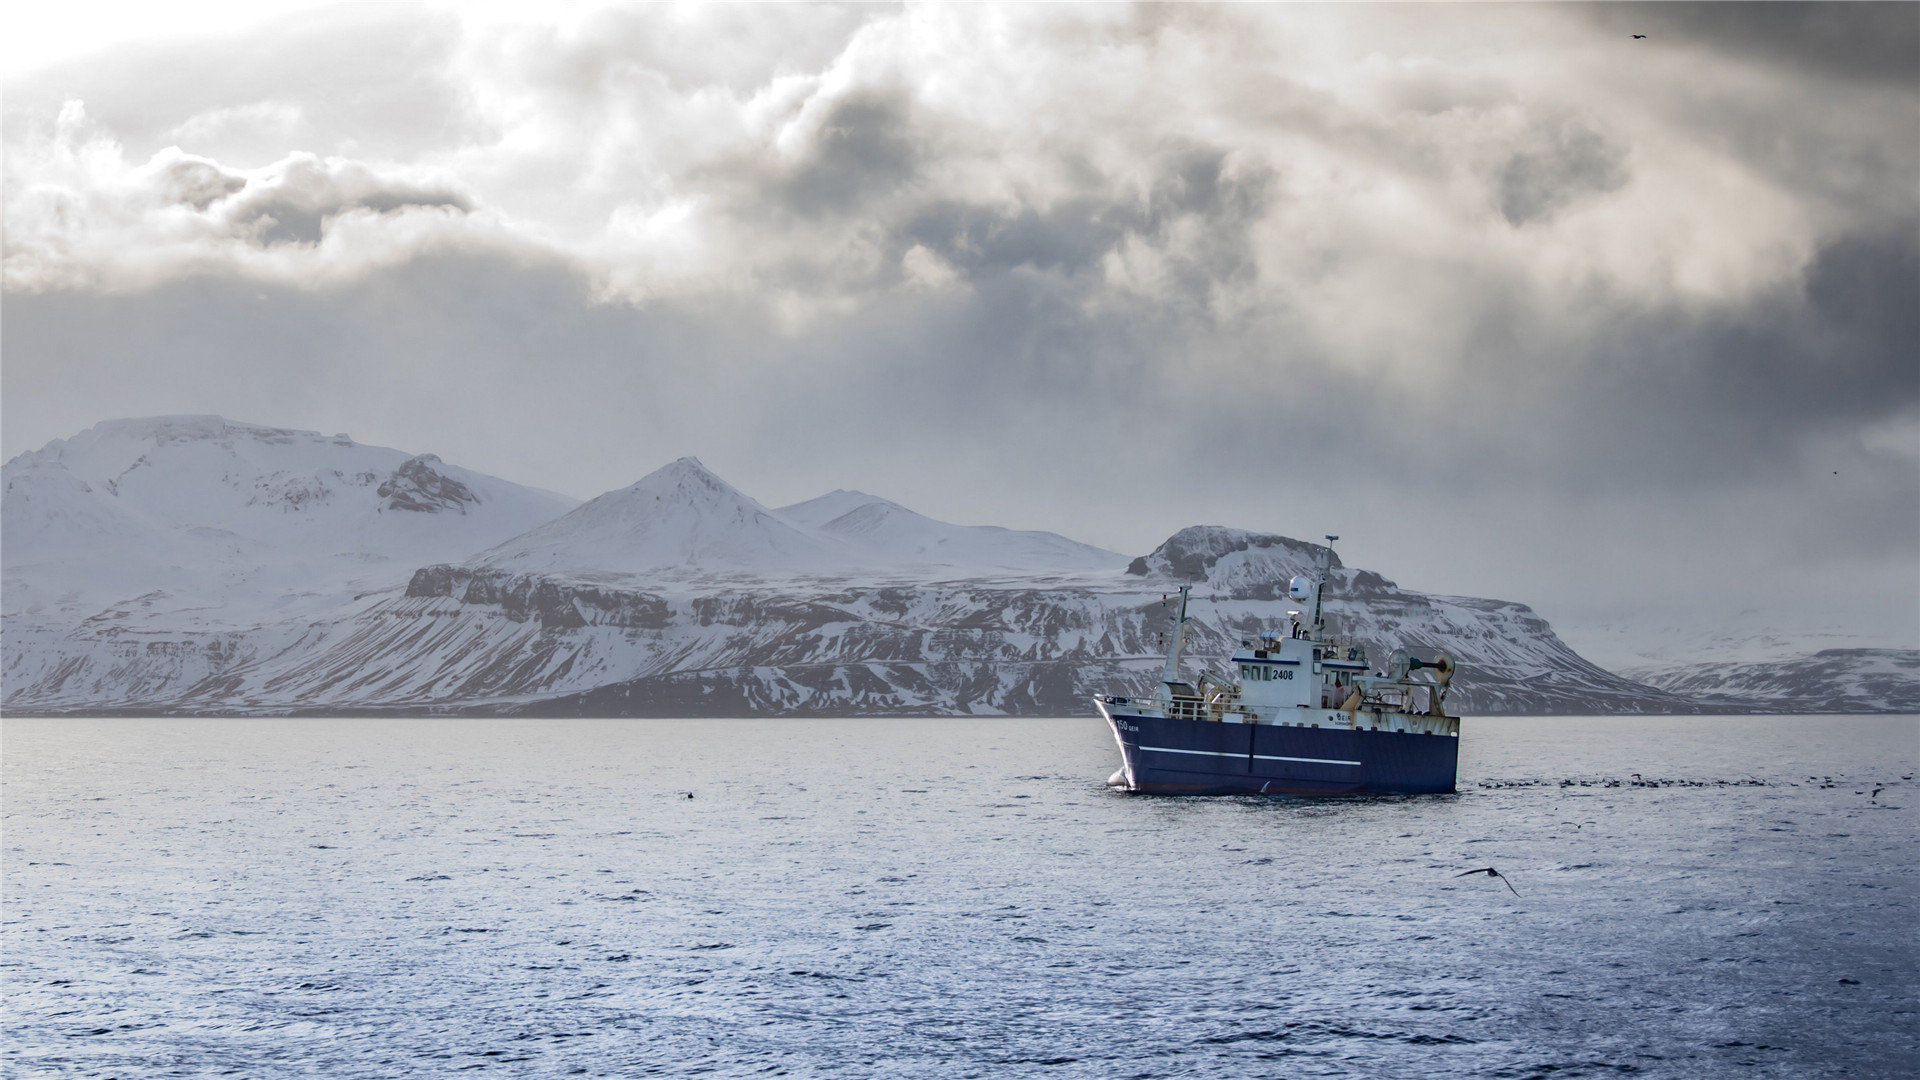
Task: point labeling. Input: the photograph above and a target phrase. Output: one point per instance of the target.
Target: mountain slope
(886, 533)
(1828, 681)
(139, 552)
(679, 516)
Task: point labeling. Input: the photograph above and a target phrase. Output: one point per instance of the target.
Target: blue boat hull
(1203, 757)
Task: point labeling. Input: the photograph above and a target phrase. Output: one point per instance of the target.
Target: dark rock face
(554, 605)
(1190, 553)
(417, 485)
(1056, 688)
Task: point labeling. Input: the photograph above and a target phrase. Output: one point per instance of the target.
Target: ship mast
(1320, 586)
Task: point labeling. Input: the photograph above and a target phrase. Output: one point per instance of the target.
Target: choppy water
(873, 898)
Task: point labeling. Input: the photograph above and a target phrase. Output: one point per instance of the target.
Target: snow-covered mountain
(683, 520)
(678, 517)
(1828, 681)
(236, 520)
(678, 594)
(192, 565)
(196, 542)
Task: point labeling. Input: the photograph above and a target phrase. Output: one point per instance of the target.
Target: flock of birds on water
(1823, 782)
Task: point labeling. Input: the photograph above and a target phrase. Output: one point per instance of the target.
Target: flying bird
(1639, 37)
(1491, 872)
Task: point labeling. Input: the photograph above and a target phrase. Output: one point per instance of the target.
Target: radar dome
(1301, 588)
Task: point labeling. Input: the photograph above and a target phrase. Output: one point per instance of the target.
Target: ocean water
(1696, 897)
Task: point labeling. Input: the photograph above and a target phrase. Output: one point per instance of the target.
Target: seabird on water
(1491, 872)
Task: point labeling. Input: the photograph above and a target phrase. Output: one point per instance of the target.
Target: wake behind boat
(1304, 716)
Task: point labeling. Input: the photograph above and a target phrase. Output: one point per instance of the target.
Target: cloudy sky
(1518, 304)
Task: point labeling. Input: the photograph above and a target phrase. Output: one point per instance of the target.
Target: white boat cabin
(1289, 672)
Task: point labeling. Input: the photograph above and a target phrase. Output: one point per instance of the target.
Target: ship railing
(1364, 717)
(1190, 708)
(1222, 707)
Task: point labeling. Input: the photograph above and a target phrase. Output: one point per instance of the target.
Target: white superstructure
(1297, 675)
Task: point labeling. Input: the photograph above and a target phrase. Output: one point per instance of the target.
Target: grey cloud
(1572, 161)
(1068, 237)
(295, 201)
(198, 183)
(1073, 235)
(493, 358)
(864, 148)
(1678, 399)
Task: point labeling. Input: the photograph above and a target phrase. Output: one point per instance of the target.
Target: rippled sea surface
(948, 898)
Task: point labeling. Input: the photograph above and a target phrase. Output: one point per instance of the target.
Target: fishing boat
(1303, 714)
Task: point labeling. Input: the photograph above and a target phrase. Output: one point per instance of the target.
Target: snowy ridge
(683, 519)
(1828, 681)
(196, 521)
(886, 533)
(474, 638)
(477, 638)
(678, 516)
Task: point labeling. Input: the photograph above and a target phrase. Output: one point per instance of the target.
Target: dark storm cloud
(1871, 41)
(1842, 349)
(1074, 234)
(864, 148)
(496, 358)
(1678, 398)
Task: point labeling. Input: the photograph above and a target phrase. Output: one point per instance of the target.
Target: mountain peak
(822, 512)
(679, 515)
(683, 473)
(420, 484)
